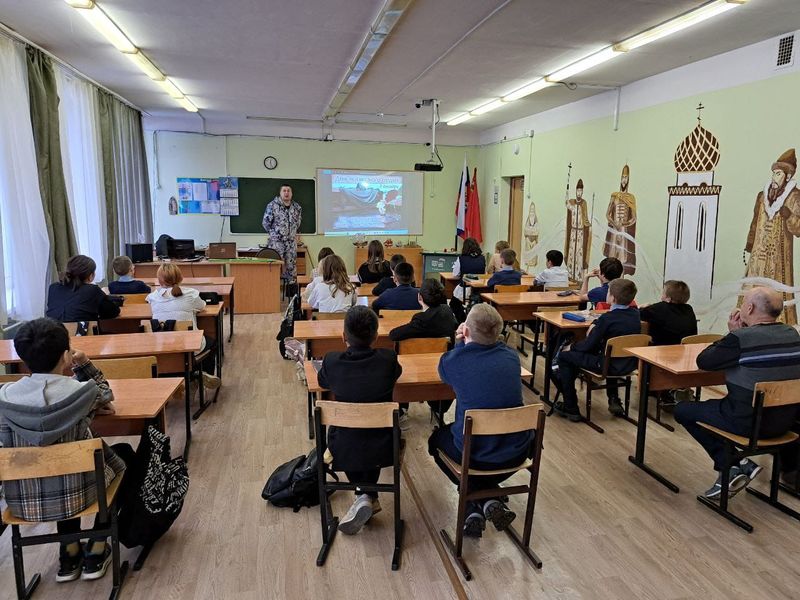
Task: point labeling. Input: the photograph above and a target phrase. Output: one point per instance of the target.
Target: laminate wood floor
(603, 528)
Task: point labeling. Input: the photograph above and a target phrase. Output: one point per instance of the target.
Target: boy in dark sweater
(402, 297)
(387, 283)
(126, 284)
(507, 275)
(673, 318)
(360, 374)
(589, 353)
(478, 352)
(608, 270)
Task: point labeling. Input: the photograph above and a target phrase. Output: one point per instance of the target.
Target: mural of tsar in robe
(577, 244)
(621, 217)
(776, 220)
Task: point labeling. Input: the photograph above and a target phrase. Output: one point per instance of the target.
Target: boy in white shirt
(555, 275)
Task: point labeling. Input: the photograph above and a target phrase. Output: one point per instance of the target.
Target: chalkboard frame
(240, 225)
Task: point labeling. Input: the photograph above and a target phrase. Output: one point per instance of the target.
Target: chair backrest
(140, 367)
(49, 461)
(777, 393)
(645, 327)
(556, 288)
(135, 298)
(335, 316)
(615, 347)
(398, 314)
(12, 377)
(557, 308)
(511, 289)
(147, 326)
(268, 253)
(422, 345)
(81, 328)
(497, 421)
(358, 415)
(702, 338)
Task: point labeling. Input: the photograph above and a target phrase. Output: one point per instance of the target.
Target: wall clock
(271, 162)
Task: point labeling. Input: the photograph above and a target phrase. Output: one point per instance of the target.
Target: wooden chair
(135, 298)
(767, 394)
(497, 421)
(356, 416)
(702, 338)
(111, 326)
(80, 328)
(85, 456)
(615, 348)
(337, 316)
(365, 289)
(645, 328)
(139, 367)
(556, 288)
(539, 338)
(399, 315)
(511, 289)
(423, 345)
(12, 377)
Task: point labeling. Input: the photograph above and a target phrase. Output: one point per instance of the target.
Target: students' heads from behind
(610, 269)
(334, 273)
(360, 327)
(80, 270)
(43, 345)
(500, 246)
(169, 276)
(509, 257)
(483, 325)
(431, 293)
(404, 274)
(122, 266)
(675, 292)
(323, 252)
(621, 291)
(555, 258)
(375, 256)
(396, 260)
(471, 247)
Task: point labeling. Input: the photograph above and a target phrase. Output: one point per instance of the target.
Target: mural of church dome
(698, 152)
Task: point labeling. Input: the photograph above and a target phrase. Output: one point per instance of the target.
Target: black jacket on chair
(84, 303)
(360, 375)
(436, 322)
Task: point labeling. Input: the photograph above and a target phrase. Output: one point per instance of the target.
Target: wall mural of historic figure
(531, 233)
(621, 216)
(578, 242)
(776, 221)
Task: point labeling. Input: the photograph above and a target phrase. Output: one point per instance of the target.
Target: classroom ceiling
(285, 59)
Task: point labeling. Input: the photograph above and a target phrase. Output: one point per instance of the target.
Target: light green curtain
(44, 120)
(105, 103)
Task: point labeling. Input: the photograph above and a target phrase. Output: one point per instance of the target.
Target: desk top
(482, 281)
(557, 318)
(680, 359)
(418, 369)
(122, 345)
(328, 330)
(448, 275)
(303, 280)
(140, 398)
(144, 311)
(192, 281)
(223, 289)
(360, 301)
(532, 298)
(216, 261)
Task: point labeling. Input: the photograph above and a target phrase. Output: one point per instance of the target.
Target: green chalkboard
(255, 194)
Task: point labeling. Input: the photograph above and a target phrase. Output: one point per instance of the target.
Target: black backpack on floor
(295, 484)
(292, 314)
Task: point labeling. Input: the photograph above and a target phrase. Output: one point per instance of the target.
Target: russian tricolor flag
(461, 202)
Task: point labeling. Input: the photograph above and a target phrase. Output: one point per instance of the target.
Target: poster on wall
(621, 217)
(229, 196)
(578, 241)
(198, 196)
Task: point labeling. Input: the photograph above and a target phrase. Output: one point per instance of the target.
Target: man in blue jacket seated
(478, 353)
(405, 296)
(507, 275)
(589, 353)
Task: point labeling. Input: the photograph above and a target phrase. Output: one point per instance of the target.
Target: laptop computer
(180, 249)
(222, 250)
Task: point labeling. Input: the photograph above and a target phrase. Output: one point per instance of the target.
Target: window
(700, 235)
(678, 238)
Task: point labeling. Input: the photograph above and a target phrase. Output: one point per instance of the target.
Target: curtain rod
(16, 37)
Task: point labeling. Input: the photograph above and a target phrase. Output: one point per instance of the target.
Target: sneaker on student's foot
(360, 512)
(715, 491)
(748, 470)
(69, 567)
(96, 565)
(562, 410)
(499, 514)
(474, 525)
(615, 407)
(212, 382)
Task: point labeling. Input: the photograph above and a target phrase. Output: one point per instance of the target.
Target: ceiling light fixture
(459, 119)
(80, 3)
(677, 24)
(527, 90)
(187, 104)
(147, 67)
(171, 88)
(598, 58)
(482, 110)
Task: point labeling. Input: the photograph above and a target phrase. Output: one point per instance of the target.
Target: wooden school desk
(419, 382)
(172, 349)
(412, 254)
(137, 402)
(309, 312)
(480, 285)
(322, 337)
(555, 324)
(449, 282)
(666, 368)
(518, 307)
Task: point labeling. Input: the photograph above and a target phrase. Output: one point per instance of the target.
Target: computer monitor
(180, 249)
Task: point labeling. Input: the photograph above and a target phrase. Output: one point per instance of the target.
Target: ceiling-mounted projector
(432, 164)
(428, 166)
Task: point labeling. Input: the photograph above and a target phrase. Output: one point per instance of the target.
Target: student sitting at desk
(466, 367)
(388, 283)
(126, 284)
(507, 275)
(323, 252)
(171, 302)
(758, 348)
(436, 319)
(589, 353)
(50, 408)
(555, 275)
(470, 262)
(336, 293)
(402, 297)
(673, 318)
(496, 263)
(75, 297)
(608, 270)
(376, 267)
(360, 374)
(317, 278)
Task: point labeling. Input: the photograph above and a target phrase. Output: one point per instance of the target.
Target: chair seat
(598, 377)
(111, 492)
(786, 438)
(456, 467)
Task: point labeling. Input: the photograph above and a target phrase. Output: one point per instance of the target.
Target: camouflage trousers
(288, 254)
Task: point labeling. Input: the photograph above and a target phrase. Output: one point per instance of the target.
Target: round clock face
(270, 162)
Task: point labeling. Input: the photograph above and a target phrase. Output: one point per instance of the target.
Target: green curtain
(44, 120)
(105, 103)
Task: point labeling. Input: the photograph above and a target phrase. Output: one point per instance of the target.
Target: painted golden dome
(698, 152)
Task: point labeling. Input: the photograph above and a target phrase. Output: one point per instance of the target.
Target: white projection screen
(351, 201)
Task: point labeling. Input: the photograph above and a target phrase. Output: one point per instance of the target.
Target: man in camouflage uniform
(282, 222)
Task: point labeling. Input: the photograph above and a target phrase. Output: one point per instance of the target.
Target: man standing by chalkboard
(282, 222)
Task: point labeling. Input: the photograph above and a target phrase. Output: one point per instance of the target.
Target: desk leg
(548, 365)
(187, 376)
(641, 429)
(231, 311)
(537, 325)
(310, 415)
(220, 346)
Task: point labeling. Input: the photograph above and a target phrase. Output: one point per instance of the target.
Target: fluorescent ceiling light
(187, 104)
(108, 28)
(80, 3)
(482, 110)
(678, 24)
(460, 119)
(149, 69)
(171, 89)
(582, 65)
(527, 90)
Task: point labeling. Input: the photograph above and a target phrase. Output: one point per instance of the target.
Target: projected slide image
(366, 202)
